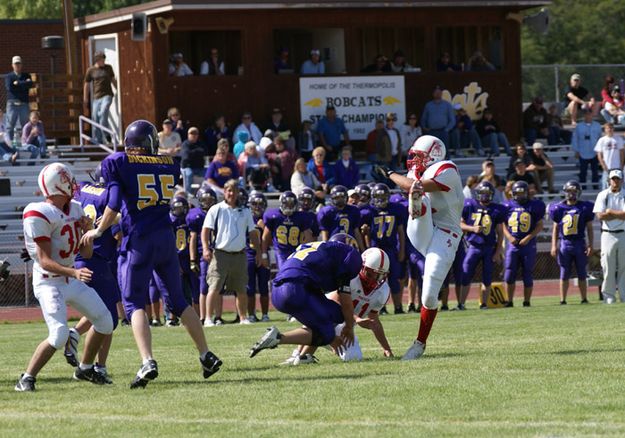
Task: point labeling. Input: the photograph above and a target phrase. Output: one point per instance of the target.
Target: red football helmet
(425, 151)
(375, 269)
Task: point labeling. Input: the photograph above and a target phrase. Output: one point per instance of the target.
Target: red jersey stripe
(35, 213)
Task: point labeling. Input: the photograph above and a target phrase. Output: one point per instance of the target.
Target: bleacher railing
(86, 137)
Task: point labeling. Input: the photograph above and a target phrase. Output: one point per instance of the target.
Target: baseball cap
(167, 122)
(315, 52)
(351, 192)
(537, 145)
(519, 161)
(193, 130)
(616, 173)
(16, 60)
(99, 55)
(576, 77)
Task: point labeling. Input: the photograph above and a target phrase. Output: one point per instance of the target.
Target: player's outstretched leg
(271, 339)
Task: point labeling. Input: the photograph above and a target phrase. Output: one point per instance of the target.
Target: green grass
(544, 371)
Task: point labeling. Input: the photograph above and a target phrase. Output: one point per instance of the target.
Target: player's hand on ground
(88, 238)
(388, 353)
(337, 345)
(83, 274)
(347, 334)
(554, 251)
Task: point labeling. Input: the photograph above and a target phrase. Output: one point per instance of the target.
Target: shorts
(229, 269)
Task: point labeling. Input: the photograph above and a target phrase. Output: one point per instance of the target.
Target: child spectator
(34, 137)
(346, 171)
(169, 141)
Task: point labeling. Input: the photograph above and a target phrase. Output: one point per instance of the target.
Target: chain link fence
(15, 274)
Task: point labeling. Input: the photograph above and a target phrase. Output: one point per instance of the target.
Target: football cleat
(210, 364)
(271, 339)
(526, 304)
(147, 372)
(245, 321)
(399, 310)
(265, 318)
(291, 358)
(90, 375)
(412, 308)
(414, 352)
(209, 323)
(25, 384)
(483, 306)
(71, 347)
(383, 311)
(304, 359)
(252, 318)
(104, 373)
(584, 301)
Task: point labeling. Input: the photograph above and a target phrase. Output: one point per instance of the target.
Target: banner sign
(359, 100)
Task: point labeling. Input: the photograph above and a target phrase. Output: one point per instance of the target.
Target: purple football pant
(257, 279)
(311, 308)
(416, 266)
(569, 254)
(525, 256)
(202, 278)
(154, 292)
(395, 270)
(473, 257)
(104, 283)
(142, 257)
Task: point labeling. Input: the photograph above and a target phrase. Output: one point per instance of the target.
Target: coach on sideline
(224, 238)
(610, 209)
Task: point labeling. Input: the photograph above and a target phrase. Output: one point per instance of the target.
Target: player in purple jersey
(258, 276)
(363, 192)
(387, 232)
(340, 217)
(524, 220)
(481, 221)
(306, 202)
(286, 227)
(141, 186)
(93, 197)
(456, 271)
(190, 281)
(571, 219)
(299, 290)
(206, 198)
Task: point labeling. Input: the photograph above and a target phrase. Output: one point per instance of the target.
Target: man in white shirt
(224, 237)
(610, 209)
(610, 152)
(250, 127)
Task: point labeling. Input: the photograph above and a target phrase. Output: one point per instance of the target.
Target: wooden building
(349, 33)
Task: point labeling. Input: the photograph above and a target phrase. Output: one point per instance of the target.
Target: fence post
(26, 286)
(556, 72)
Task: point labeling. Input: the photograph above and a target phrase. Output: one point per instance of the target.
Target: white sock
(27, 375)
(147, 359)
(203, 355)
(84, 367)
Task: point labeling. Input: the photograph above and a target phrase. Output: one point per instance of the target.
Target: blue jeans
(462, 139)
(16, 109)
(594, 167)
(100, 114)
(41, 146)
(6, 152)
(187, 176)
(494, 140)
(34, 150)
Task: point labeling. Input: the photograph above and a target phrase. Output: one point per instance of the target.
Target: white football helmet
(425, 151)
(56, 179)
(375, 269)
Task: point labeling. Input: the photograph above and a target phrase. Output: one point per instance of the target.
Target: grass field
(543, 371)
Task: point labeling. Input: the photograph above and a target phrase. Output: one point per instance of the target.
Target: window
(198, 46)
(391, 41)
(292, 47)
(466, 44)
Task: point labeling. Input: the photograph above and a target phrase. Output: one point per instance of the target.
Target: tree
(21, 9)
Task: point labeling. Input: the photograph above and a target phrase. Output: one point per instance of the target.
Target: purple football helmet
(338, 196)
(364, 194)
(306, 199)
(206, 197)
(380, 195)
(258, 203)
(572, 190)
(484, 192)
(141, 134)
(179, 207)
(520, 192)
(344, 238)
(288, 203)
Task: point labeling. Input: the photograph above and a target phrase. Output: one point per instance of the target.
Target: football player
(143, 183)
(52, 234)
(340, 217)
(190, 281)
(287, 227)
(258, 276)
(363, 191)
(93, 197)
(524, 220)
(572, 218)
(369, 292)
(306, 202)
(435, 206)
(482, 221)
(387, 232)
(298, 290)
(206, 198)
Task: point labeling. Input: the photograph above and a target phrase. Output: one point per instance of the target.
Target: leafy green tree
(23, 9)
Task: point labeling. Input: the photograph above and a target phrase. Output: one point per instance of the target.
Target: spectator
(17, 84)
(557, 133)
(464, 133)
(521, 174)
(610, 152)
(306, 140)
(585, 136)
(282, 64)
(543, 168)
(177, 66)
(346, 172)
(169, 141)
(213, 134)
(399, 64)
(99, 82)
(469, 187)
(192, 154)
(438, 117)
(303, 178)
(281, 158)
(380, 65)
(320, 168)
(251, 159)
(373, 137)
(180, 126)
(409, 132)
(578, 97)
(490, 134)
(277, 124)
(213, 66)
(478, 62)
(34, 137)
(7, 153)
(520, 153)
(330, 128)
(388, 146)
(606, 91)
(242, 138)
(489, 174)
(220, 170)
(250, 127)
(613, 111)
(265, 143)
(535, 121)
(314, 65)
(444, 64)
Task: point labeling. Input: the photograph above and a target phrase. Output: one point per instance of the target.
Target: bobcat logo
(473, 100)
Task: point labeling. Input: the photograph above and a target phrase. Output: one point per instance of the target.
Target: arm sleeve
(251, 226)
(322, 220)
(37, 226)
(209, 221)
(112, 179)
(599, 206)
